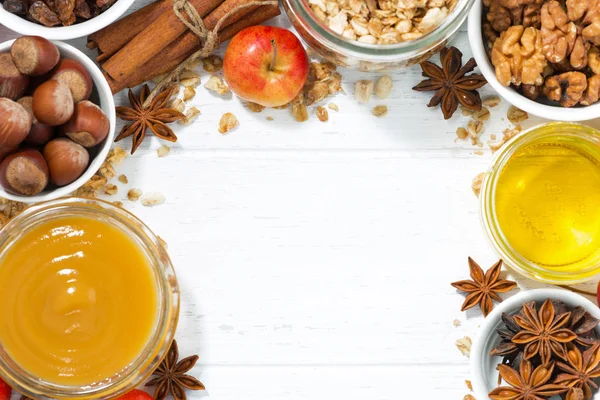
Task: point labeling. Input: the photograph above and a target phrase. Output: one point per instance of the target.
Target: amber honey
(78, 301)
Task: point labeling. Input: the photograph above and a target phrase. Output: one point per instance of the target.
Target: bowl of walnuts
(543, 56)
(60, 19)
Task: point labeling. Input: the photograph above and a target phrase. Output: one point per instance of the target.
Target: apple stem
(272, 66)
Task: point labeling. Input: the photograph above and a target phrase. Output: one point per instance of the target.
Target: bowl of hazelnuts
(543, 56)
(57, 119)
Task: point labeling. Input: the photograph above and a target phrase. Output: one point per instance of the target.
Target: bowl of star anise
(60, 19)
(538, 344)
(543, 56)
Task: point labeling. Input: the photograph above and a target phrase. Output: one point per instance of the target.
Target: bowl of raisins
(60, 19)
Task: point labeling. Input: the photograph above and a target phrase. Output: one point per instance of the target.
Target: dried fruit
(217, 85)
(228, 122)
(322, 114)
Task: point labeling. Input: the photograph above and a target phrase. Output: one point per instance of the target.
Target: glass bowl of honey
(88, 297)
(540, 203)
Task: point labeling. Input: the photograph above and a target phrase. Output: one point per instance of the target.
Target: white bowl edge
(107, 104)
(482, 365)
(509, 94)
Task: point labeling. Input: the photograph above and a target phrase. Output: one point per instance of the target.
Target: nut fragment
(228, 122)
(189, 93)
(363, 90)
(491, 102)
(476, 183)
(333, 106)
(383, 88)
(217, 85)
(462, 133)
(566, 88)
(464, 346)
(299, 110)
(116, 155)
(110, 189)
(134, 194)
(481, 115)
(123, 179)
(212, 63)
(254, 107)
(380, 111)
(516, 115)
(152, 199)
(190, 116)
(177, 104)
(322, 114)
(163, 151)
(190, 82)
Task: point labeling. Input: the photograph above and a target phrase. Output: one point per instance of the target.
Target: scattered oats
(190, 116)
(152, 199)
(95, 183)
(299, 110)
(189, 93)
(158, 79)
(363, 90)
(516, 115)
(383, 88)
(495, 145)
(481, 115)
(322, 114)
(164, 244)
(212, 63)
(333, 106)
(464, 346)
(380, 111)
(492, 101)
(269, 118)
(468, 383)
(462, 133)
(163, 151)
(510, 133)
(228, 122)
(476, 183)
(216, 84)
(493, 136)
(474, 128)
(118, 203)
(193, 64)
(456, 323)
(177, 104)
(190, 82)
(123, 179)
(478, 152)
(467, 112)
(134, 194)
(254, 107)
(116, 155)
(107, 170)
(189, 75)
(110, 189)
(469, 397)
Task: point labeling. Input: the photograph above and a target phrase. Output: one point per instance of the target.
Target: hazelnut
(88, 126)
(53, 103)
(66, 159)
(12, 83)
(34, 55)
(39, 133)
(76, 77)
(24, 172)
(15, 123)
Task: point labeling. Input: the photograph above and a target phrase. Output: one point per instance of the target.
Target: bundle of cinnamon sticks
(153, 40)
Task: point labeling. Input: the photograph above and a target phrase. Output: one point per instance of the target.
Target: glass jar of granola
(377, 35)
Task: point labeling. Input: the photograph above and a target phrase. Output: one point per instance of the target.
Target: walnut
(531, 91)
(503, 14)
(592, 92)
(499, 17)
(558, 33)
(566, 88)
(594, 59)
(518, 58)
(588, 12)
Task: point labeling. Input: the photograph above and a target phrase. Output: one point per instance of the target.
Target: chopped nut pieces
(491, 101)
(469, 385)
(456, 323)
(476, 183)
(516, 115)
(189, 93)
(110, 189)
(363, 90)
(383, 88)
(299, 110)
(228, 122)
(118, 203)
(333, 106)
(177, 104)
(163, 151)
(462, 133)
(464, 346)
(134, 194)
(190, 82)
(152, 199)
(212, 64)
(481, 115)
(190, 116)
(255, 107)
(469, 397)
(216, 84)
(380, 111)
(322, 114)
(123, 179)
(381, 22)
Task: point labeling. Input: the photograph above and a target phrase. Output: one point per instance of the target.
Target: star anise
(154, 116)
(451, 83)
(483, 287)
(171, 377)
(525, 384)
(580, 369)
(542, 332)
(506, 347)
(575, 394)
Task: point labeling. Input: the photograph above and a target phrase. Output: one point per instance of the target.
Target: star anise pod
(506, 347)
(580, 369)
(483, 287)
(525, 384)
(583, 324)
(575, 394)
(171, 377)
(154, 116)
(542, 332)
(451, 83)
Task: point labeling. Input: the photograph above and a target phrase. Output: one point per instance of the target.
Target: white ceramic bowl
(25, 27)
(483, 367)
(548, 111)
(102, 96)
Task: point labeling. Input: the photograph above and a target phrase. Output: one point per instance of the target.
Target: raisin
(41, 13)
(15, 7)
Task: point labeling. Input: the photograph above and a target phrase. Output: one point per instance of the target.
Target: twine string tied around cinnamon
(209, 39)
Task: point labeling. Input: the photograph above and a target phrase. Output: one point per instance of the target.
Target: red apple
(266, 65)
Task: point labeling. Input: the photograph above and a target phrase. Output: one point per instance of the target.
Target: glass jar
(372, 57)
(168, 299)
(586, 141)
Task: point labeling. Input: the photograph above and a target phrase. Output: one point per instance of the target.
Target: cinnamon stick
(151, 41)
(188, 44)
(112, 38)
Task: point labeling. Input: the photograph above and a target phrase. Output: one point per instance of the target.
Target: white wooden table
(315, 259)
